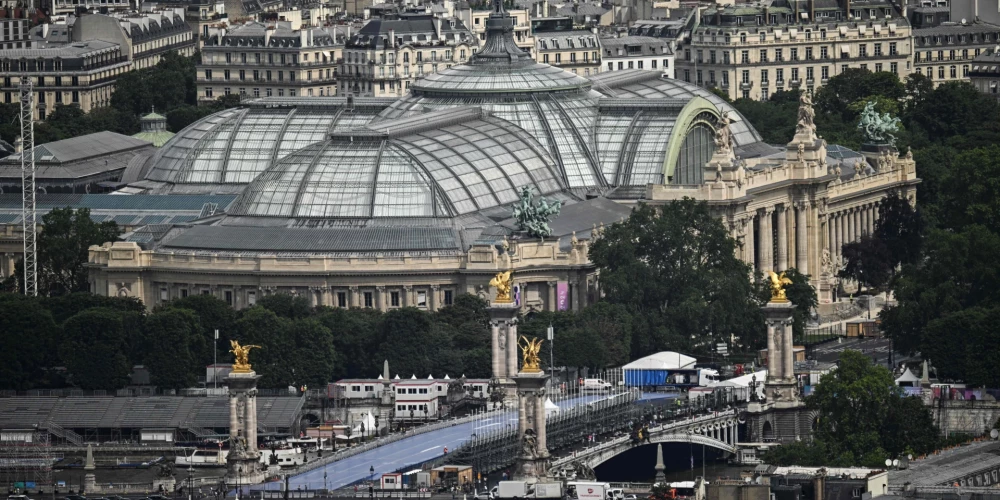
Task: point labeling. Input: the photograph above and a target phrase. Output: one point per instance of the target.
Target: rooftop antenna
(28, 188)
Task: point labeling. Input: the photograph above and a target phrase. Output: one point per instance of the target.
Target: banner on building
(562, 295)
(517, 295)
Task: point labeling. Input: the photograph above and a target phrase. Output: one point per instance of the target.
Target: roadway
(417, 449)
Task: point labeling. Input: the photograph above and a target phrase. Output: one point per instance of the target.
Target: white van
(596, 384)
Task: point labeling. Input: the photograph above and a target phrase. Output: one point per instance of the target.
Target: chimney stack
(392, 39)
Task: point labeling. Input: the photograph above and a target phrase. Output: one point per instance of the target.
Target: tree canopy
(863, 419)
(674, 268)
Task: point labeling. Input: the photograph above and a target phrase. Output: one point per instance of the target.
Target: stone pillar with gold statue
(503, 326)
(533, 459)
(781, 386)
(243, 465)
(781, 416)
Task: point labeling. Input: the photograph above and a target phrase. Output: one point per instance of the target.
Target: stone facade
(375, 281)
(243, 465)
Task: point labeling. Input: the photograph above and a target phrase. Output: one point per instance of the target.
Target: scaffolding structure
(28, 213)
(26, 461)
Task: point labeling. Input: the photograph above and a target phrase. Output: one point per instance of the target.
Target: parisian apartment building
(385, 56)
(751, 52)
(78, 59)
(268, 59)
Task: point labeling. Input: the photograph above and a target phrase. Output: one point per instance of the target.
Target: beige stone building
(264, 60)
(82, 64)
(985, 73)
(385, 56)
(945, 53)
(384, 203)
(83, 74)
(752, 52)
(578, 51)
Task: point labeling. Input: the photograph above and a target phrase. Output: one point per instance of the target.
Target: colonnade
(786, 235)
(849, 224)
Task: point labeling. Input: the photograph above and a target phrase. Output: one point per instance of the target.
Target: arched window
(695, 152)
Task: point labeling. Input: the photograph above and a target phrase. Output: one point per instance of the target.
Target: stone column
(773, 357)
(522, 416)
(802, 237)
(838, 229)
(789, 350)
(782, 239)
(499, 365)
(234, 418)
(857, 224)
(849, 226)
(352, 296)
(871, 218)
(750, 244)
(435, 290)
(251, 419)
(766, 240)
(876, 210)
(408, 296)
(574, 293)
(540, 422)
(553, 305)
(511, 325)
(327, 296)
(380, 296)
(843, 230)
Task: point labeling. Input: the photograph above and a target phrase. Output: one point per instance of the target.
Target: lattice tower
(28, 213)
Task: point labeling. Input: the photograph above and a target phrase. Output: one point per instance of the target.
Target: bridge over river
(489, 441)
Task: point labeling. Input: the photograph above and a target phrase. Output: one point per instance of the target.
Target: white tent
(550, 407)
(369, 420)
(908, 379)
(744, 381)
(665, 360)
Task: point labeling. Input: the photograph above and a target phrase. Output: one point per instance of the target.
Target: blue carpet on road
(414, 450)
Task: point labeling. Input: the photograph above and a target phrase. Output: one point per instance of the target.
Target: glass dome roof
(499, 77)
(439, 164)
(500, 67)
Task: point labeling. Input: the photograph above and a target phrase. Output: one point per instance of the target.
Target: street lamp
(371, 474)
(411, 417)
(376, 426)
(239, 478)
(363, 436)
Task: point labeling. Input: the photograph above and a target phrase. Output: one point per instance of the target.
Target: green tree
(286, 305)
(675, 268)
(66, 306)
(93, 350)
(874, 259)
(273, 361)
(314, 355)
(63, 247)
(955, 113)
(173, 343)
(803, 295)
(863, 418)
(402, 338)
(213, 314)
(354, 337)
(28, 337)
(854, 85)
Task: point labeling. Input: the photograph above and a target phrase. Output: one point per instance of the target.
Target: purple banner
(562, 295)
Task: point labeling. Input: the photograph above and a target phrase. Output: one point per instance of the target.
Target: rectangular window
(763, 94)
(863, 50)
(809, 53)
(763, 55)
(823, 54)
(795, 74)
(369, 300)
(421, 299)
(779, 55)
(824, 73)
(229, 297)
(763, 77)
(448, 297)
(892, 48)
(878, 49)
(394, 299)
(251, 297)
(809, 73)
(794, 54)
(184, 292)
(341, 299)
(745, 57)
(164, 294)
(746, 76)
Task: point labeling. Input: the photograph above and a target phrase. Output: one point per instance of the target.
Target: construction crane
(28, 188)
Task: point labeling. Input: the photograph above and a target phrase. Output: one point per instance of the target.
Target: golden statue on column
(778, 282)
(242, 354)
(529, 354)
(503, 283)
